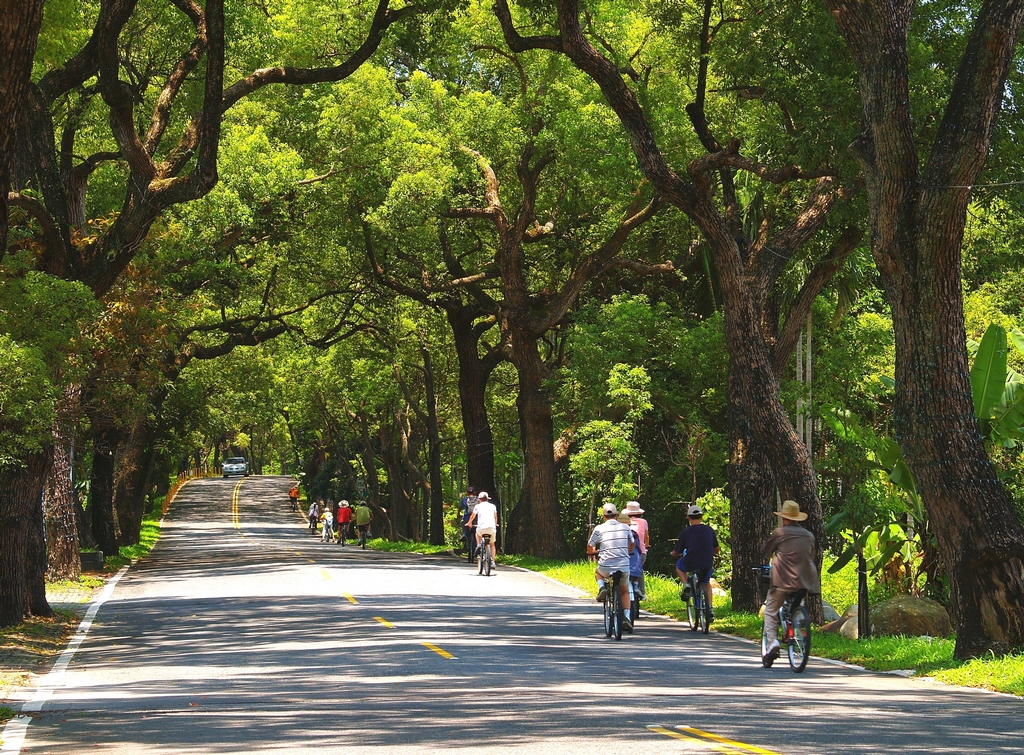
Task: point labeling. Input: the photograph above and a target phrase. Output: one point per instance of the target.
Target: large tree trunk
(35, 561)
(19, 31)
(21, 490)
(474, 373)
(535, 525)
(101, 492)
(752, 499)
(132, 461)
(59, 503)
(918, 213)
(980, 538)
(433, 455)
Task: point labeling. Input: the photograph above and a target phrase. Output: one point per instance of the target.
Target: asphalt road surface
(241, 633)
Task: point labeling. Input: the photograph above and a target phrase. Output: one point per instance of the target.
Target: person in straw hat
(791, 550)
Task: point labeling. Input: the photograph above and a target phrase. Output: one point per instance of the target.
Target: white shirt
(486, 515)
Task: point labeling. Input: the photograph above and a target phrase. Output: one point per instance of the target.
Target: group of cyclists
(620, 544)
(335, 520)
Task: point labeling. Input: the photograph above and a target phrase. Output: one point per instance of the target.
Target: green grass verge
(398, 546)
(925, 656)
(147, 539)
(6, 714)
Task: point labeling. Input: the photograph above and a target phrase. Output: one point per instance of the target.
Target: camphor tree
(748, 265)
(185, 93)
(920, 180)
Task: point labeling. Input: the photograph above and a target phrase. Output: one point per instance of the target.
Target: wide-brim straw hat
(623, 517)
(633, 507)
(791, 510)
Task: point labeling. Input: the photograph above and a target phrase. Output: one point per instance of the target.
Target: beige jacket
(791, 549)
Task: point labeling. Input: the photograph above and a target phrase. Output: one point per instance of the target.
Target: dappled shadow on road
(261, 651)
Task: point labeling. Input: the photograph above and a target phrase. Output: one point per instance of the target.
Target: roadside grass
(6, 714)
(398, 546)
(147, 539)
(26, 646)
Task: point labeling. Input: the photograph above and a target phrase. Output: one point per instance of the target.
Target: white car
(235, 465)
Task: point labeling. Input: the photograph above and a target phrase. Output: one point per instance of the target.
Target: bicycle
(363, 530)
(698, 610)
(470, 543)
(613, 607)
(484, 558)
(795, 626)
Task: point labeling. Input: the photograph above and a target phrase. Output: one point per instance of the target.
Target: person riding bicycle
(612, 541)
(293, 497)
(344, 519)
(363, 518)
(485, 519)
(791, 550)
(314, 516)
(466, 506)
(696, 550)
(636, 562)
(328, 524)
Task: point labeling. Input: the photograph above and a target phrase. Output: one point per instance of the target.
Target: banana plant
(997, 389)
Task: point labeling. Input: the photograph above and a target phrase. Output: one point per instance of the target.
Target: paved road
(236, 636)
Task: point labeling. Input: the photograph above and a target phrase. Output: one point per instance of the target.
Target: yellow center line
(349, 598)
(235, 520)
(441, 652)
(311, 560)
(325, 574)
(385, 622)
(693, 738)
(723, 740)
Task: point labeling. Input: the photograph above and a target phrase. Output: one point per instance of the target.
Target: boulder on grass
(830, 613)
(850, 628)
(911, 617)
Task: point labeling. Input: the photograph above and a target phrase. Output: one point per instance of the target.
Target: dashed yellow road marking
(710, 741)
(728, 742)
(312, 561)
(325, 574)
(349, 598)
(440, 651)
(385, 622)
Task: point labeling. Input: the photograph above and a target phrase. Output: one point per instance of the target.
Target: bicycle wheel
(705, 610)
(608, 613)
(634, 610)
(800, 644)
(479, 561)
(616, 612)
(766, 661)
(470, 551)
(487, 561)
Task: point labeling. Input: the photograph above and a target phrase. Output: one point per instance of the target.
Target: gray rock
(850, 628)
(911, 617)
(830, 612)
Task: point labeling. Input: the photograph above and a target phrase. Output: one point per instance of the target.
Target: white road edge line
(16, 729)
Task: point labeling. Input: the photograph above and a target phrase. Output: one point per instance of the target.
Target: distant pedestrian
(639, 525)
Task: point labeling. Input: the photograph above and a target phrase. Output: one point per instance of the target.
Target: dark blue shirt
(697, 543)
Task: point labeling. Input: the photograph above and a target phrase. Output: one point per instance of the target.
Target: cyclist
(696, 550)
(363, 518)
(293, 497)
(466, 506)
(485, 519)
(328, 519)
(344, 519)
(642, 529)
(791, 550)
(612, 541)
(314, 516)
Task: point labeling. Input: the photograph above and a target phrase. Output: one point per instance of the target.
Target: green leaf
(887, 381)
(1017, 337)
(1008, 420)
(843, 560)
(988, 374)
(839, 522)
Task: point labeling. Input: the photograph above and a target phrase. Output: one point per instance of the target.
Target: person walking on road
(466, 506)
(612, 541)
(791, 550)
(485, 519)
(363, 518)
